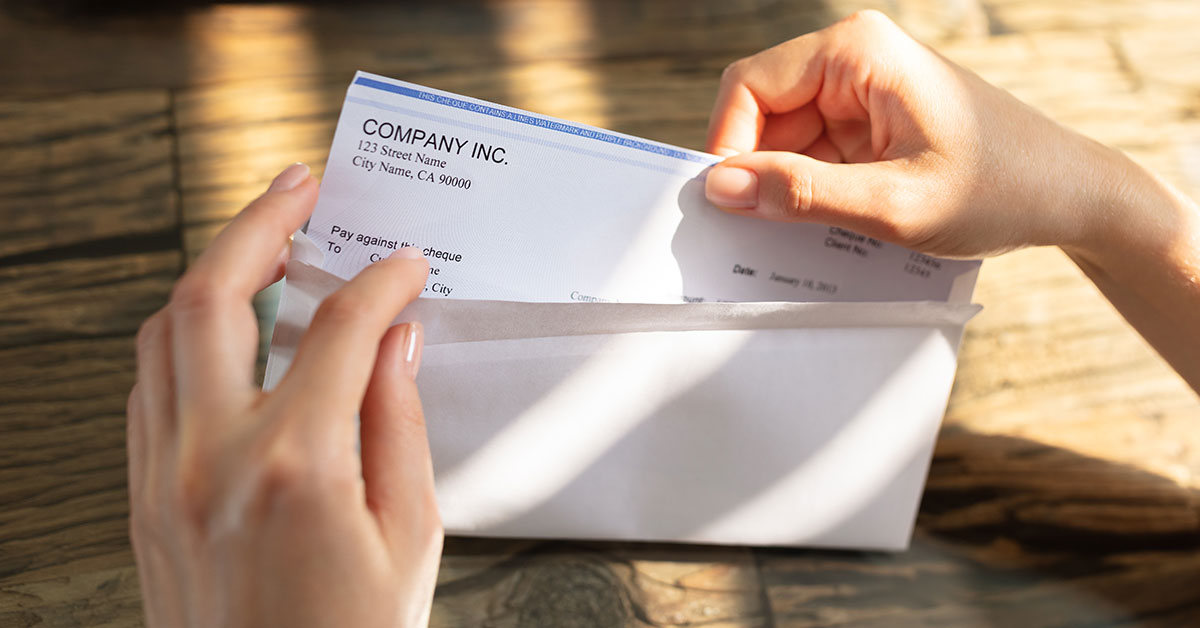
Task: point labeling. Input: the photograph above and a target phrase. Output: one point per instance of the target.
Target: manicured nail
(291, 176)
(414, 340)
(736, 188)
(408, 252)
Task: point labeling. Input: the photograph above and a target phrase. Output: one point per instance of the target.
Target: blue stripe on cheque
(532, 120)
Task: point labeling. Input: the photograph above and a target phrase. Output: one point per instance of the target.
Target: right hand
(862, 127)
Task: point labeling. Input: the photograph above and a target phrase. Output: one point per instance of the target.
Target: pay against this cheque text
(380, 247)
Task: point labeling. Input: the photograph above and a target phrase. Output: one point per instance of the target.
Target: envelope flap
(452, 320)
(449, 321)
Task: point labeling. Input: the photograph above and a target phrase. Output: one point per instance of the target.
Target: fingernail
(414, 341)
(291, 176)
(732, 187)
(408, 252)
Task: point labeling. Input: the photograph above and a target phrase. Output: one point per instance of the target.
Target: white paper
(610, 357)
(568, 212)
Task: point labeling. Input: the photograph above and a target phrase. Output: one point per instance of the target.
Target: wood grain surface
(85, 167)
(1065, 486)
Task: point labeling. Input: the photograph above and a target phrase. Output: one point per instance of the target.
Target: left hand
(257, 509)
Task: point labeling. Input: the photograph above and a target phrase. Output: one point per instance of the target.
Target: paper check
(512, 205)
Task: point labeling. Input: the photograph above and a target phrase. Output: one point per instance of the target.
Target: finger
(775, 81)
(135, 444)
(853, 140)
(792, 131)
(875, 199)
(213, 325)
(275, 270)
(824, 150)
(736, 121)
(336, 355)
(152, 415)
(253, 239)
(151, 445)
(396, 465)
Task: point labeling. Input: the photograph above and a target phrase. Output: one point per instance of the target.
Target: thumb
(869, 198)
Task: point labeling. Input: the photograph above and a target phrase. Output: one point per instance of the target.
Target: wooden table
(1063, 490)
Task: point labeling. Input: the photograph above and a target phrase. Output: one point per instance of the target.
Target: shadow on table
(1011, 532)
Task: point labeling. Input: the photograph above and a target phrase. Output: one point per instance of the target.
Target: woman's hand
(862, 127)
(257, 509)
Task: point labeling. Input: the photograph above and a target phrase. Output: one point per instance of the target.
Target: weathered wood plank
(527, 583)
(85, 167)
(79, 298)
(107, 598)
(66, 360)
(63, 478)
(91, 247)
(66, 355)
(1049, 359)
(1092, 16)
(101, 49)
(1117, 87)
(1012, 532)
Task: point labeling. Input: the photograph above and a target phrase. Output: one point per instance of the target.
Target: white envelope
(735, 423)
